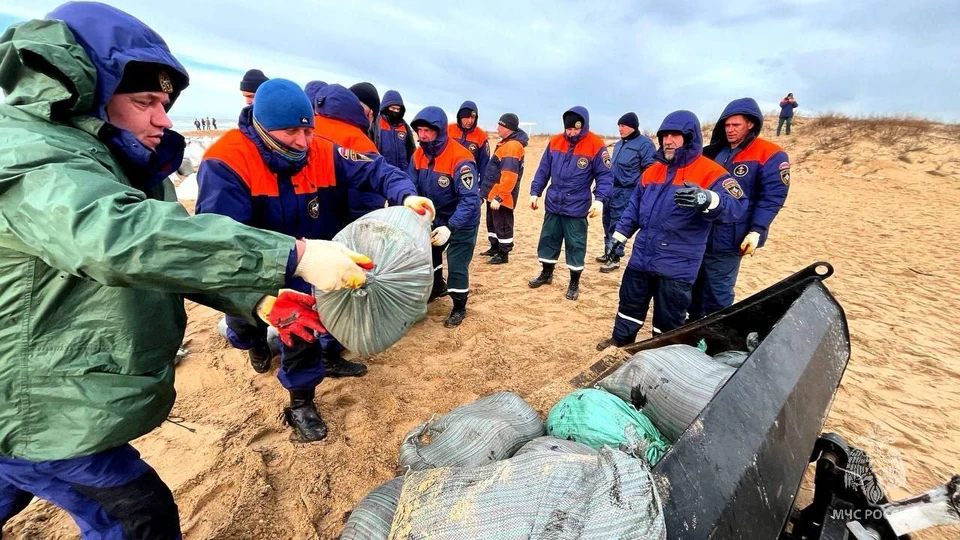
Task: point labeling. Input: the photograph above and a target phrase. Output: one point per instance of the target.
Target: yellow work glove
(750, 243)
(596, 209)
(420, 205)
(329, 266)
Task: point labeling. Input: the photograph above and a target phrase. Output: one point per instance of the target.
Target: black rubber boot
(459, 310)
(494, 249)
(609, 342)
(603, 258)
(501, 257)
(545, 277)
(612, 264)
(573, 291)
(337, 366)
(303, 417)
(439, 286)
(260, 357)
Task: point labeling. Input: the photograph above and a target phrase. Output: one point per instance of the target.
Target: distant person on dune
(252, 80)
(214, 120)
(676, 203)
(203, 123)
(196, 122)
(571, 163)
(787, 105)
(97, 257)
(763, 171)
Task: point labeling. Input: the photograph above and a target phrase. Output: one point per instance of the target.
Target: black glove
(692, 196)
(616, 246)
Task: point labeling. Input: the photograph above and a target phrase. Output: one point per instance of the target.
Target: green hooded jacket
(94, 272)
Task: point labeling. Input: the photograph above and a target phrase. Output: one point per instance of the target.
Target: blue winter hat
(281, 104)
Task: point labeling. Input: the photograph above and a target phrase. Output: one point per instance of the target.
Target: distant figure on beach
(196, 123)
(787, 105)
(209, 124)
(214, 123)
(203, 124)
(252, 80)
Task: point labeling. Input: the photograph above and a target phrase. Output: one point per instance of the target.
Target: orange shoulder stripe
(760, 150)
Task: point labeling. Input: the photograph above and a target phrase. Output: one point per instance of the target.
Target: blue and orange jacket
(501, 180)
(763, 170)
(394, 141)
(672, 240)
(445, 173)
(340, 119)
(571, 166)
(241, 178)
(787, 107)
(475, 139)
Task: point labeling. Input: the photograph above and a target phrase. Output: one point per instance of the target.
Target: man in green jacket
(96, 258)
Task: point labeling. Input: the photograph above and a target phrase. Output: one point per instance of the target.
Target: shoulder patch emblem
(465, 169)
(346, 153)
(313, 208)
(784, 165)
(473, 147)
(443, 181)
(785, 175)
(466, 178)
(401, 135)
(733, 188)
(606, 159)
(582, 163)
(741, 170)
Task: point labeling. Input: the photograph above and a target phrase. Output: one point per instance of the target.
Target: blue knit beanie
(281, 104)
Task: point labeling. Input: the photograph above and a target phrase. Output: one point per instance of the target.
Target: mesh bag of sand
(372, 517)
(671, 385)
(371, 319)
(487, 430)
(537, 495)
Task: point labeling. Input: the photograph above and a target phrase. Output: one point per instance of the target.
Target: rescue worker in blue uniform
(272, 173)
(446, 173)
(763, 170)
(632, 154)
(673, 207)
(394, 138)
(572, 161)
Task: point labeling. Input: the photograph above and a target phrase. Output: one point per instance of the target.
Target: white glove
(750, 243)
(617, 237)
(596, 209)
(533, 202)
(329, 266)
(494, 204)
(440, 236)
(420, 205)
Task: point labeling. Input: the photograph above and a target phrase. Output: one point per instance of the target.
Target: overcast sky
(538, 58)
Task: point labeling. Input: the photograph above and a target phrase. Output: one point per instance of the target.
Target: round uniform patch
(443, 181)
(472, 147)
(741, 170)
(582, 163)
(313, 208)
(578, 125)
(402, 135)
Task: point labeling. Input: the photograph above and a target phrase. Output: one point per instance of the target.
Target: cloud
(539, 58)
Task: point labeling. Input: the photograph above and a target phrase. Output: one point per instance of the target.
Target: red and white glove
(293, 314)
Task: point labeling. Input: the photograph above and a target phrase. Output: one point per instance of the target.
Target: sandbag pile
(372, 517)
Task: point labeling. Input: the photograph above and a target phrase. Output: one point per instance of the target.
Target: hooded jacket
(395, 141)
(787, 107)
(240, 177)
(501, 180)
(95, 257)
(445, 173)
(671, 240)
(763, 170)
(474, 139)
(571, 167)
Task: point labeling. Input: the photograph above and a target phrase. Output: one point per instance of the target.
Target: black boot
(260, 357)
(613, 263)
(335, 365)
(303, 417)
(573, 291)
(501, 257)
(439, 286)
(494, 249)
(459, 310)
(604, 258)
(545, 277)
(608, 343)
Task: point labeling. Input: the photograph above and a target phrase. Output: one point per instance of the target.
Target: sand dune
(878, 201)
